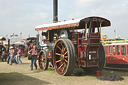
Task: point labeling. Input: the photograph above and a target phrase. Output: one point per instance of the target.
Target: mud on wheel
(64, 57)
(43, 60)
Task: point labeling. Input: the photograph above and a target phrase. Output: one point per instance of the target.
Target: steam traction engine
(67, 48)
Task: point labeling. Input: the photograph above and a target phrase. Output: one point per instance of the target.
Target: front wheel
(43, 60)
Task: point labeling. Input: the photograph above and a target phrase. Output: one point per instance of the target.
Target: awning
(20, 43)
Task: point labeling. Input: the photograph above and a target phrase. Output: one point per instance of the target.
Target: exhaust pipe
(55, 11)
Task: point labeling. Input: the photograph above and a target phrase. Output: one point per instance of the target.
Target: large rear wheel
(101, 56)
(64, 57)
(43, 60)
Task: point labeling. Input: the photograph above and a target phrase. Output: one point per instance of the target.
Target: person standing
(15, 54)
(9, 56)
(33, 52)
(19, 55)
(0, 51)
(4, 55)
(12, 56)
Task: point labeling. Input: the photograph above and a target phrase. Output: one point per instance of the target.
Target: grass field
(22, 75)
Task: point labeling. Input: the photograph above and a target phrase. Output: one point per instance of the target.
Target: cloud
(85, 3)
(27, 24)
(113, 10)
(24, 15)
(44, 15)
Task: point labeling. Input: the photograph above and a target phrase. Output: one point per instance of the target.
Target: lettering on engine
(92, 51)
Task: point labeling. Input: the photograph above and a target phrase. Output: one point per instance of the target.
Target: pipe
(8, 45)
(55, 11)
(37, 40)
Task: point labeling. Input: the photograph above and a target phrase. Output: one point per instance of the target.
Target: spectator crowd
(13, 56)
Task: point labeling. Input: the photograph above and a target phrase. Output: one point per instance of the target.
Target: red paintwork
(110, 58)
(49, 54)
(46, 41)
(58, 26)
(83, 63)
(98, 73)
(94, 41)
(84, 41)
(82, 48)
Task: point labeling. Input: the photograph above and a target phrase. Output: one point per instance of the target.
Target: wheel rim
(61, 57)
(42, 60)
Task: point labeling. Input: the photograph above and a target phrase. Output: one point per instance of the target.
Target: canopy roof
(19, 43)
(77, 23)
(2, 38)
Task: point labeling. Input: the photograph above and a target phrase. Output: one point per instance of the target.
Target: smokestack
(55, 11)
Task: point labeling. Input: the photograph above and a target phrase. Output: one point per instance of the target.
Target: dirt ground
(21, 74)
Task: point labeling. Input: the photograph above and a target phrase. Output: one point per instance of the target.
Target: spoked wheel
(64, 57)
(101, 57)
(43, 60)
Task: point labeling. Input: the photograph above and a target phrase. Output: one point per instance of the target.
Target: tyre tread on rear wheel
(101, 57)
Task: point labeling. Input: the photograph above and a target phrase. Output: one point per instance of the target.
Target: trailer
(116, 56)
(73, 44)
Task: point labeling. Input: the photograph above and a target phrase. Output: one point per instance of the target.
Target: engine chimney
(55, 11)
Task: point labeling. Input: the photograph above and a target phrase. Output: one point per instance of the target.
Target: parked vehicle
(116, 55)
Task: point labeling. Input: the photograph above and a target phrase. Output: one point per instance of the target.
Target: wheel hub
(62, 57)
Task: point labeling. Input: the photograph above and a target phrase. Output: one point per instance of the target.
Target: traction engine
(73, 44)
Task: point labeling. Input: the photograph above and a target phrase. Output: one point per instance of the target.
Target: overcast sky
(18, 16)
